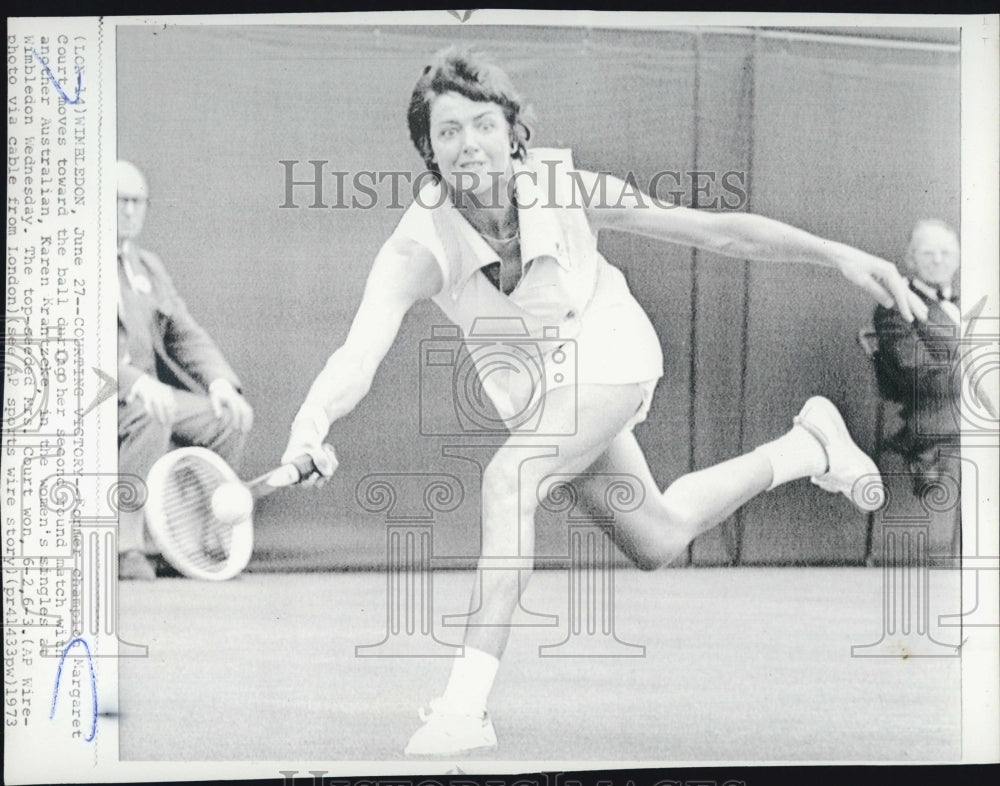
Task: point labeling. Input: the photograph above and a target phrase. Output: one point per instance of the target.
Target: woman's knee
(663, 539)
(659, 554)
(650, 561)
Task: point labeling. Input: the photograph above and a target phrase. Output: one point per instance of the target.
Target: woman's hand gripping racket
(200, 513)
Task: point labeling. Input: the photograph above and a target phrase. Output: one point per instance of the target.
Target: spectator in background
(916, 361)
(174, 385)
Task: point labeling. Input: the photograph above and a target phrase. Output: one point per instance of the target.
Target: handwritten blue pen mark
(93, 685)
(55, 82)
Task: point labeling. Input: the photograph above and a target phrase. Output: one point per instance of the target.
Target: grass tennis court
(746, 664)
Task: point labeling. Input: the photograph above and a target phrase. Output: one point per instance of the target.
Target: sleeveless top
(571, 319)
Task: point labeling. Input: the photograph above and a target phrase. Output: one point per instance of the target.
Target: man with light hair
(174, 385)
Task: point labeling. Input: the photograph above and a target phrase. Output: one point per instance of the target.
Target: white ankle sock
(797, 454)
(471, 680)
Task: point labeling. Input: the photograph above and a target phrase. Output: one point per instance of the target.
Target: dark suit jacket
(185, 355)
(916, 366)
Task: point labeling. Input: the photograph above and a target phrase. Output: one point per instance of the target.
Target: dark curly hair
(468, 73)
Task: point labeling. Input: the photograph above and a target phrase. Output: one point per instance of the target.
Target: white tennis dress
(571, 319)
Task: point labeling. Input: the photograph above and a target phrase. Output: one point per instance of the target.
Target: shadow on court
(749, 664)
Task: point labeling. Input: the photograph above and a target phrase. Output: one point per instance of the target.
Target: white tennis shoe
(850, 471)
(450, 731)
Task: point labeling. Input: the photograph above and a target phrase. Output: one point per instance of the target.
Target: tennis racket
(184, 491)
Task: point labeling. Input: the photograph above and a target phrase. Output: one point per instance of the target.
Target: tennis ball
(232, 502)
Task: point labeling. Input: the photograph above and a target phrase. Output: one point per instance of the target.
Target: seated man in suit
(917, 362)
(174, 385)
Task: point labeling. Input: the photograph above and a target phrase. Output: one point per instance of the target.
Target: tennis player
(484, 240)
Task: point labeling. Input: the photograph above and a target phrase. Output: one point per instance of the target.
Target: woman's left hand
(882, 281)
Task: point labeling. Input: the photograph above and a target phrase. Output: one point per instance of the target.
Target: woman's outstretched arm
(747, 236)
(403, 273)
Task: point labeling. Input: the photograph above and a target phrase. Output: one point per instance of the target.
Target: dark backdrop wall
(850, 138)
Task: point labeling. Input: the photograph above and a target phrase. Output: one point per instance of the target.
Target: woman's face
(471, 143)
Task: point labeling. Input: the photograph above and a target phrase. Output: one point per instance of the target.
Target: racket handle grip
(286, 475)
(305, 466)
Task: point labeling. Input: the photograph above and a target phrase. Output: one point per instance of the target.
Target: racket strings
(188, 517)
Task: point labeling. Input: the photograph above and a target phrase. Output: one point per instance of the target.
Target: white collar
(930, 291)
(538, 225)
